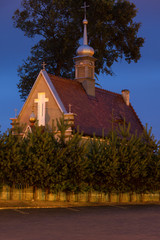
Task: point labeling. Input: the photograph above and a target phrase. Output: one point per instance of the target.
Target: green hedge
(121, 162)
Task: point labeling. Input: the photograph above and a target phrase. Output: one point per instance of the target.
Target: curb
(72, 205)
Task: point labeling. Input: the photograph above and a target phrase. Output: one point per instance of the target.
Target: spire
(85, 22)
(85, 50)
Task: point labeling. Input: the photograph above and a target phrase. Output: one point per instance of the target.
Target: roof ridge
(69, 79)
(63, 78)
(104, 90)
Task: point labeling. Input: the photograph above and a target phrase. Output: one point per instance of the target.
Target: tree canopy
(112, 32)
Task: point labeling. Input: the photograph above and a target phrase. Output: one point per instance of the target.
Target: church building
(93, 110)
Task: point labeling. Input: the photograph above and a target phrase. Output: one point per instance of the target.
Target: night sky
(142, 78)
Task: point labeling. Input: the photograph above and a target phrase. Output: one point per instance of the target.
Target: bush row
(121, 162)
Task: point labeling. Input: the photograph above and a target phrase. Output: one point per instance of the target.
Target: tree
(11, 155)
(39, 152)
(76, 160)
(102, 160)
(129, 159)
(58, 23)
(70, 161)
(150, 155)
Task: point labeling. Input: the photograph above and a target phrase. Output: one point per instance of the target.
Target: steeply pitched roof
(94, 114)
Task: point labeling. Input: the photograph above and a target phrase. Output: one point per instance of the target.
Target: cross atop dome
(85, 9)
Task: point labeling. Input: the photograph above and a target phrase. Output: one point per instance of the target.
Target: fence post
(34, 193)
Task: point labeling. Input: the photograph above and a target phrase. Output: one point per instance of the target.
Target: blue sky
(142, 78)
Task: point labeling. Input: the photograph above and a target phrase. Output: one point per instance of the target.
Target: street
(82, 223)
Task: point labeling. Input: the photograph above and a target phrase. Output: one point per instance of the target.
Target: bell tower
(85, 62)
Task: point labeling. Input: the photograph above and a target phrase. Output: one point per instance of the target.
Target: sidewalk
(49, 204)
(44, 204)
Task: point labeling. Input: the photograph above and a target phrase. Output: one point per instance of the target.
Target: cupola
(85, 62)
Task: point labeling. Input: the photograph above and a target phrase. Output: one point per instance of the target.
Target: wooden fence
(30, 193)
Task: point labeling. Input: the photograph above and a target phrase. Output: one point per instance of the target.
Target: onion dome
(32, 118)
(85, 49)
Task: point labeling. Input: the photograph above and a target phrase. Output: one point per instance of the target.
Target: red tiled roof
(93, 114)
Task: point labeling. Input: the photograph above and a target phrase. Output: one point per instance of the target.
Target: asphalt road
(84, 223)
